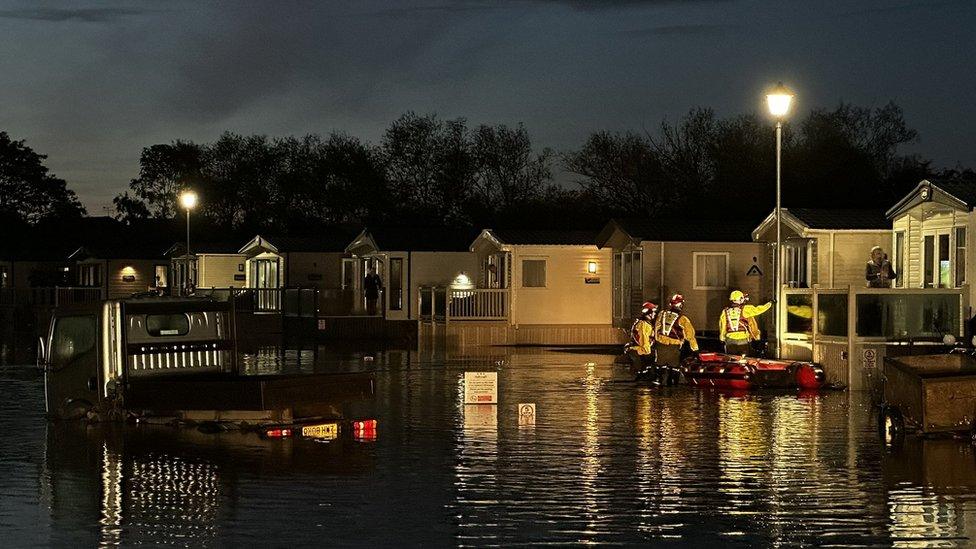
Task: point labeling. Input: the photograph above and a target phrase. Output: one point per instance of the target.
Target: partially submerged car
(175, 359)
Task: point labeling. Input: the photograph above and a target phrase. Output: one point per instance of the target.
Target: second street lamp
(779, 100)
(188, 199)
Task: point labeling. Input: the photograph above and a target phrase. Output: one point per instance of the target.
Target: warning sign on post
(870, 357)
(481, 387)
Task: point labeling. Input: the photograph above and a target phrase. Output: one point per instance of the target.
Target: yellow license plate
(323, 430)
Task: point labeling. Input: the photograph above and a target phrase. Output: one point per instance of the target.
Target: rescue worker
(737, 326)
(641, 348)
(671, 330)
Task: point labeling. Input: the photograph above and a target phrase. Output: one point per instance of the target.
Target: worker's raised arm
(689, 332)
(756, 310)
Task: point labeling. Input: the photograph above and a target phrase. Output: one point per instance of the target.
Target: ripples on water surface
(606, 462)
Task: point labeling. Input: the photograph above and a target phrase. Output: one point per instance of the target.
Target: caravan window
(960, 256)
(167, 325)
(711, 270)
(533, 273)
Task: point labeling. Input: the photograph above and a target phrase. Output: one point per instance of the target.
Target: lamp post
(778, 100)
(188, 199)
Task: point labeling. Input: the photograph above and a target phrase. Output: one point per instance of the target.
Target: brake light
(364, 429)
(364, 425)
(277, 433)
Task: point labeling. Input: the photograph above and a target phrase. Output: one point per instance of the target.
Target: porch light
(591, 267)
(779, 99)
(462, 282)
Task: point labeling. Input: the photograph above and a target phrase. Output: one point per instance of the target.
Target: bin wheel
(891, 425)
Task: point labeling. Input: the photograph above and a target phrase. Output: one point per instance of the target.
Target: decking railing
(50, 296)
(452, 304)
(299, 302)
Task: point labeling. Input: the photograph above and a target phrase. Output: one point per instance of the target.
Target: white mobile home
(558, 284)
(703, 260)
(408, 259)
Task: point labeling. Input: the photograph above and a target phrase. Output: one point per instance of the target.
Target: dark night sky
(91, 84)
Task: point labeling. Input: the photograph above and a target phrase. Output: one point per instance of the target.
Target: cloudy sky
(91, 84)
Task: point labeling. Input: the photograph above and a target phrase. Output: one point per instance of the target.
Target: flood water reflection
(605, 462)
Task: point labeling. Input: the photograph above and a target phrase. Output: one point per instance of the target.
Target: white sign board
(526, 413)
(481, 387)
(870, 357)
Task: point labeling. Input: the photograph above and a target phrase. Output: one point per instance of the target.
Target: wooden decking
(476, 333)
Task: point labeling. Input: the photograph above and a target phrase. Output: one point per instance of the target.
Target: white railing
(477, 304)
(440, 304)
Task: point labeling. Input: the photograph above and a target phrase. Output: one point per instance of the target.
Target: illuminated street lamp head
(188, 199)
(778, 99)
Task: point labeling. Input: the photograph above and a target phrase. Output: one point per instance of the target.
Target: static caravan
(654, 258)
(559, 283)
(930, 231)
(408, 259)
(313, 261)
(826, 247)
(211, 265)
(121, 271)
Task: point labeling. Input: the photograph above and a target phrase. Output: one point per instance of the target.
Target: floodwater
(607, 462)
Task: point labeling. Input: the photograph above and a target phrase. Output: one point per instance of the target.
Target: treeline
(29, 193)
(426, 170)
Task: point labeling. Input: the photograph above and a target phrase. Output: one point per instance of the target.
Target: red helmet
(677, 301)
(647, 308)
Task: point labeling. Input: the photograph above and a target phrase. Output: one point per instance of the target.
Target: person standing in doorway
(372, 285)
(879, 273)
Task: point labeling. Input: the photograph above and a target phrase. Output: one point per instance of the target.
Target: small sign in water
(526, 414)
(481, 387)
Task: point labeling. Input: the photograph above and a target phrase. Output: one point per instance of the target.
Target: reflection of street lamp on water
(779, 99)
(188, 199)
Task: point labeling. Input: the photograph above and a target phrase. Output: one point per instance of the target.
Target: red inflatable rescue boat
(735, 372)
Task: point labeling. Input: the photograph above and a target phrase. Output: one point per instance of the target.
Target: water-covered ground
(607, 462)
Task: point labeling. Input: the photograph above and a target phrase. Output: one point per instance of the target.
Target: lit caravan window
(168, 325)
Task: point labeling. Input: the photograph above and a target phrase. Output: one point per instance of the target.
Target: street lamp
(778, 100)
(188, 199)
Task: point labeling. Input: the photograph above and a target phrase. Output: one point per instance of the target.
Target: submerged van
(174, 358)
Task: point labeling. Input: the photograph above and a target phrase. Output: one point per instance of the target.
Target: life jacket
(635, 331)
(670, 326)
(735, 320)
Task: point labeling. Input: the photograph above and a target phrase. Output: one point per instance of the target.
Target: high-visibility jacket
(642, 333)
(736, 327)
(755, 310)
(674, 328)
